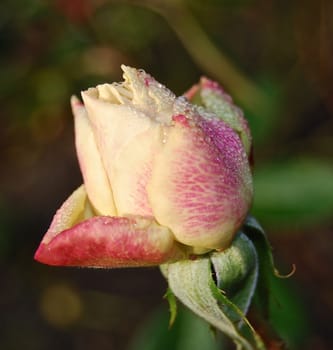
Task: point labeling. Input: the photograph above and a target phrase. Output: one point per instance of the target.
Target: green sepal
(172, 301)
(227, 303)
(191, 281)
(267, 269)
(235, 270)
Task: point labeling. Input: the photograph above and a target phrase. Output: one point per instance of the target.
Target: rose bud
(163, 179)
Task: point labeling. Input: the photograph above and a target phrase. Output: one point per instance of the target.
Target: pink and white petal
(132, 172)
(93, 172)
(201, 185)
(219, 102)
(75, 209)
(105, 241)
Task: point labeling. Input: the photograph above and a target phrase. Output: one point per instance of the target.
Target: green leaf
(297, 193)
(189, 332)
(236, 271)
(289, 314)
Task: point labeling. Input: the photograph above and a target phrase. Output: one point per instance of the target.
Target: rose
(163, 178)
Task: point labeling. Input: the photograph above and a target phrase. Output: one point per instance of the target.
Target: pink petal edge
(109, 242)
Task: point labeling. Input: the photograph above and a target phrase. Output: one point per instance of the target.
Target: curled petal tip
(75, 101)
(39, 254)
(77, 106)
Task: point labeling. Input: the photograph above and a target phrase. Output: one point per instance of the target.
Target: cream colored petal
(74, 210)
(93, 172)
(132, 172)
(114, 127)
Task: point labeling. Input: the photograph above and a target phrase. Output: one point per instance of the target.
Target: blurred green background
(273, 56)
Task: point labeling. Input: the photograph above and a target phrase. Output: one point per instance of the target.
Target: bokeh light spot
(60, 305)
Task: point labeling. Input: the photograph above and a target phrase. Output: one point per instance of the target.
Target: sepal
(197, 284)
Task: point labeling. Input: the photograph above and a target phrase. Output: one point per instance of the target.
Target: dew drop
(164, 136)
(208, 139)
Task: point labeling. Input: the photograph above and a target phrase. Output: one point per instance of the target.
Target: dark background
(273, 56)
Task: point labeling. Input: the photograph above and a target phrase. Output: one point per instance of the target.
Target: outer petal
(74, 210)
(105, 241)
(201, 185)
(212, 96)
(93, 172)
